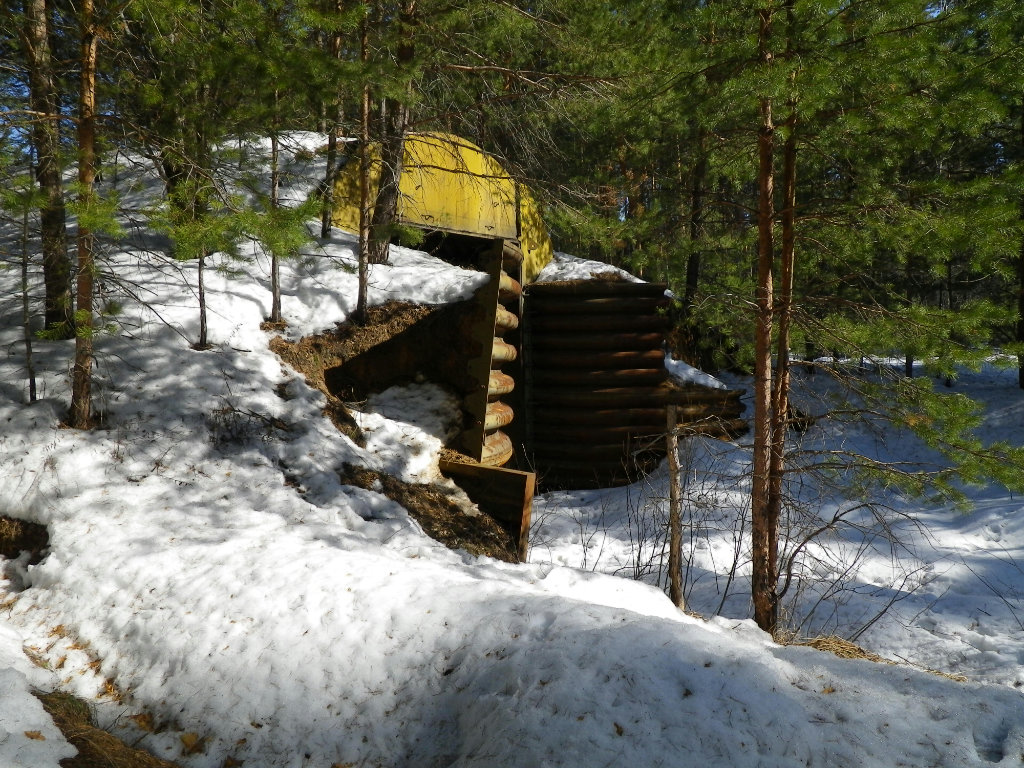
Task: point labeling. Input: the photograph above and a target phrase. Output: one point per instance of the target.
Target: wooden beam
(504, 494)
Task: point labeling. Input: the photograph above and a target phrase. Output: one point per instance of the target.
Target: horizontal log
(541, 322)
(612, 397)
(647, 417)
(502, 352)
(708, 410)
(605, 305)
(499, 384)
(601, 341)
(588, 380)
(604, 454)
(594, 360)
(512, 253)
(497, 449)
(596, 288)
(497, 415)
(596, 434)
(505, 321)
(508, 288)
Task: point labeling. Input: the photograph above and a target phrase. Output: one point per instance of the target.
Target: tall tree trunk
(783, 315)
(1020, 276)
(764, 526)
(394, 123)
(385, 210)
(364, 182)
(203, 342)
(699, 176)
(333, 126)
(46, 143)
(81, 375)
(26, 308)
(275, 190)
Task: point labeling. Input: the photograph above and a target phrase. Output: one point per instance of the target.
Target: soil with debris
(96, 748)
(313, 355)
(17, 536)
(444, 513)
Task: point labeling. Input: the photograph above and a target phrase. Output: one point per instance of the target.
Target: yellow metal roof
(450, 184)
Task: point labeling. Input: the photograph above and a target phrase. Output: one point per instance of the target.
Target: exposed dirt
(313, 355)
(443, 514)
(17, 536)
(96, 748)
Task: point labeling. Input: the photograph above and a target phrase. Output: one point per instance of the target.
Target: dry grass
(845, 649)
(96, 748)
(17, 536)
(444, 515)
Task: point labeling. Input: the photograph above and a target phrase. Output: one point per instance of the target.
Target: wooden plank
(504, 494)
(478, 367)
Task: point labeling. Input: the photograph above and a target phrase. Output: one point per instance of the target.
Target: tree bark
(700, 170)
(333, 125)
(385, 210)
(275, 189)
(81, 375)
(45, 138)
(394, 123)
(364, 183)
(1020, 276)
(764, 526)
(26, 308)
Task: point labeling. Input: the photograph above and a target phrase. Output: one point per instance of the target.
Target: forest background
(841, 180)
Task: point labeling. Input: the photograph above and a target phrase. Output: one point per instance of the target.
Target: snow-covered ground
(208, 568)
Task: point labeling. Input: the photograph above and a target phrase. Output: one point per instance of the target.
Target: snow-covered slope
(207, 562)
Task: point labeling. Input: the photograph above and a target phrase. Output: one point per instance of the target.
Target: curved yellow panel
(450, 184)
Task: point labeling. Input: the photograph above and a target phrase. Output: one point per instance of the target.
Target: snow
(207, 560)
(690, 375)
(564, 266)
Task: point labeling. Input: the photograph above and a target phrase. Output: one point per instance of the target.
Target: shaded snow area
(208, 568)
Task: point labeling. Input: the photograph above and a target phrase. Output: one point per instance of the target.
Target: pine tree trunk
(203, 341)
(275, 188)
(45, 138)
(333, 120)
(364, 185)
(764, 526)
(700, 170)
(81, 375)
(1020, 277)
(330, 178)
(26, 308)
(394, 122)
(385, 210)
